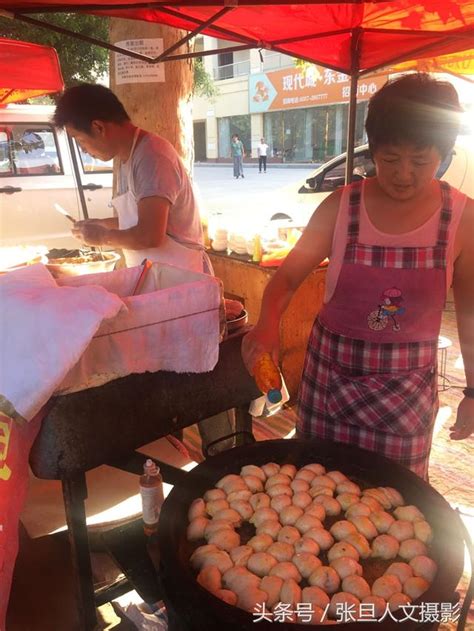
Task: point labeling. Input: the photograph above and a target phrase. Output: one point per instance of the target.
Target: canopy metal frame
(243, 42)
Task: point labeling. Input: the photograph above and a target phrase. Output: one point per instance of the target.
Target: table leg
(243, 426)
(74, 493)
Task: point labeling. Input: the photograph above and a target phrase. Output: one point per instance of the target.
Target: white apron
(170, 251)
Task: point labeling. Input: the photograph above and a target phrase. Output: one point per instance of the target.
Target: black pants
(262, 161)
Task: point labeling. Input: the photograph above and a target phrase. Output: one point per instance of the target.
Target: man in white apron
(157, 213)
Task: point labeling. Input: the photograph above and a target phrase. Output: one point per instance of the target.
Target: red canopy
(348, 37)
(27, 70)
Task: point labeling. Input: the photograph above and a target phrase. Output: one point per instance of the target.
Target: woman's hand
(261, 339)
(464, 425)
(89, 232)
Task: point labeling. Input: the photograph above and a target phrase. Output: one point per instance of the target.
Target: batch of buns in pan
(314, 532)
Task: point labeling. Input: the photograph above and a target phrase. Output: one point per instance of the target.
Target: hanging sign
(305, 87)
(130, 70)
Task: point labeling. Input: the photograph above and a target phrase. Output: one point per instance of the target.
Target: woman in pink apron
(395, 242)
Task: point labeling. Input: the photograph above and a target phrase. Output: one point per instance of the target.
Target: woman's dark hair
(82, 104)
(415, 109)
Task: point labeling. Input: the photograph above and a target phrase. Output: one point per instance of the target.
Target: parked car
(36, 172)
(299, 204)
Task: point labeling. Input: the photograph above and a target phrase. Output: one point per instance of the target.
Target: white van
(36, 172)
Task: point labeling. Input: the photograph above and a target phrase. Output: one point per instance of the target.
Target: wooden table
(246, 281)
(105, 425)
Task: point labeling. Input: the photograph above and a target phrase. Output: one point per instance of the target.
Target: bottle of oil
(268, 377)
(205, 233)
(151, 491)
(257, 249)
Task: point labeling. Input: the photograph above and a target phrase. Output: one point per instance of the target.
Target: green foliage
(80, 61)
(203, 82)
(302, 64)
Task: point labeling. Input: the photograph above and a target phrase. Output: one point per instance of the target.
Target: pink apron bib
(370, 369)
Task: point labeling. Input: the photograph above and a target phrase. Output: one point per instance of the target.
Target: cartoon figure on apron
(390, 307)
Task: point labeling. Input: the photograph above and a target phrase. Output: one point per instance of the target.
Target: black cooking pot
(192, 608)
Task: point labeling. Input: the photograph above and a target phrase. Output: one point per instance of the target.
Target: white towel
(44, 329)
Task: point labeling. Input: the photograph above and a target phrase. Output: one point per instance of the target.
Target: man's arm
(148, 233)
(108, 222)
(463, 289)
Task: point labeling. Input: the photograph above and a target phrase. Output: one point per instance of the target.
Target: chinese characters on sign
(346, 612)
(296, 87)
(130, 70)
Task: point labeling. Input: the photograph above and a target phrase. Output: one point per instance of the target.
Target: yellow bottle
(205, 234)
(257, 249)
(268, 377)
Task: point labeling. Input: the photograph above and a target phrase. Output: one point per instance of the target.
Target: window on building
(360, 136)
(274, 132)
(314, 134)
(225, 66)
(273, 61)
(229, 126)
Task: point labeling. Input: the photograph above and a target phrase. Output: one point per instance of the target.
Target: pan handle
(470, 590)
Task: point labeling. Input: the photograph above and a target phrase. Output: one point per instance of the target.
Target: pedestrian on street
(262, 151)
(238, 154)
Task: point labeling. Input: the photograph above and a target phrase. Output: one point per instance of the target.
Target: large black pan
(192, 608)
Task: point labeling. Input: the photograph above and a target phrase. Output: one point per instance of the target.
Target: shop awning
(350, 37)
(27, 70)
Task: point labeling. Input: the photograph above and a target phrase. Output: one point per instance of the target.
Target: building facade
(300, 111)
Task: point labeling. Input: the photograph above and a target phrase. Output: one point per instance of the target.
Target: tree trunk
(163, 108)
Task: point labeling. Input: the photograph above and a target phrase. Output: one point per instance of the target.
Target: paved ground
(258, 193)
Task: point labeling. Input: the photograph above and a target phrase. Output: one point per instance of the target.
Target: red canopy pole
(355, 55)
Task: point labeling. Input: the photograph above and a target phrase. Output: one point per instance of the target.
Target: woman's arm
(463, 289)
(313, 247)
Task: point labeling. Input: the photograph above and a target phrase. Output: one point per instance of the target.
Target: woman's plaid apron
(368, 380)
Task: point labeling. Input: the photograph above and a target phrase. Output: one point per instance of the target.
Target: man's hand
(90, 232)
(464, 425)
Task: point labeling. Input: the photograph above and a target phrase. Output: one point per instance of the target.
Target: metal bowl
(236, 323)
(62, 267)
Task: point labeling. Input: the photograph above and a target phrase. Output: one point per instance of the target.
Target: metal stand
(75, 492)
(105, 425)
(443, 381)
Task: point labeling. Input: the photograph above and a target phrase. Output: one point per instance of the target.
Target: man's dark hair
(82, 104)
(415, 109)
